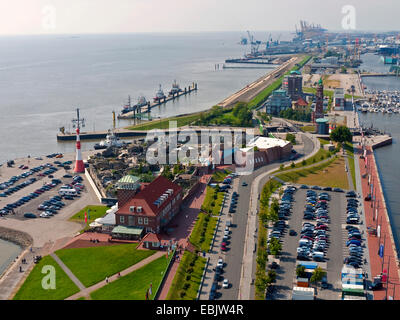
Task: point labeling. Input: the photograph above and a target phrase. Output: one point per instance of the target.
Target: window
(122, 219)
(140, 220)
(131, 220)
(146, 220)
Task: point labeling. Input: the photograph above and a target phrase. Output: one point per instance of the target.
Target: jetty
(127, 133)
(140, 110)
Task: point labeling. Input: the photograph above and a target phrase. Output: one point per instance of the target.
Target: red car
(308, 238)
(321, 227)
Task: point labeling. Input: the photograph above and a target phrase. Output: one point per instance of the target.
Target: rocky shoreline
(18, 237)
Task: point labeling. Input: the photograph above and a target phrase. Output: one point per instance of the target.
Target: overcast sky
(116, 16)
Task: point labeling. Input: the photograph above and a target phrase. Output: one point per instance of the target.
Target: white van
(67, 192)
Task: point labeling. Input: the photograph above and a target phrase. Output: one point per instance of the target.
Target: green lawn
(32, 287)
(93, 212)
(203, 231)
(321, 155)
(134, 285)
(295, 175)
(209, 200)
(187, 276)
(92, 265)
(219, 176)
(164, 123)
(308, 128)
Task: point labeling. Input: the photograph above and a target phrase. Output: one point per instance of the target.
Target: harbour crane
(254, 44)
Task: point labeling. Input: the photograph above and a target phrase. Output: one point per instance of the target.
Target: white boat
(111, 141)
(159, 95)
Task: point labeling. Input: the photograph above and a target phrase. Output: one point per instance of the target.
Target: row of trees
(240, 116)
(296, 115)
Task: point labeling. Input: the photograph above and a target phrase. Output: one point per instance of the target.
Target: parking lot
(57, 227)
(324, 231)
(35, 192)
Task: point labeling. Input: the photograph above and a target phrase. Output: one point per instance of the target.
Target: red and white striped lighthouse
(79, 165)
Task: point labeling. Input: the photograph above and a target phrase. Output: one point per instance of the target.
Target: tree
(341, 134)
(291, 138)
(275, 246)
(292, 165)
(317, 275)
(271, 276)
(300, 271)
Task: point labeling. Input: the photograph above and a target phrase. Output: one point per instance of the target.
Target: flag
(379, 231)
(147, 294)
(88, 214)
(381, 250)
(85, 217)
(150, 289)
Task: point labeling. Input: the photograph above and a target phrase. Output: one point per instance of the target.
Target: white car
(44, 215)
(225, 284)
(226, 232)
(220, 263)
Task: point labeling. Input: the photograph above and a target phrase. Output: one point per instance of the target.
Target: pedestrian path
(68, 272)
(379, 217)
(13, 278)
(85, 292)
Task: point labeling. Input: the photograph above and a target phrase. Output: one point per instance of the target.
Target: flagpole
(383, 255)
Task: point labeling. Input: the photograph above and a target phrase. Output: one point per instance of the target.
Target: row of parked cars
(314, 240)
(51, 207)
(46, 187)
(284, 212)
(354, 241)
(8, 185)
(352, 215)
(233, 204)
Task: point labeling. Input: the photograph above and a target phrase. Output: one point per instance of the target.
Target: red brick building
(152, 208)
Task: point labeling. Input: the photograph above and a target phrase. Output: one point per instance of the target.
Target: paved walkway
(68, 272)
(87, 291)
(185, 222)
(378, 264)
(11, 280)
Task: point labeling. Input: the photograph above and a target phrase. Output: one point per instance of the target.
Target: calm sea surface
(44, 78)
(8, 252)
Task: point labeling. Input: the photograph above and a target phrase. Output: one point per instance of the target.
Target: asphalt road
(234, 256)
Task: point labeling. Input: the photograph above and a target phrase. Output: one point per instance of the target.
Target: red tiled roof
(146, 198)
(301, 102)
(152, 237)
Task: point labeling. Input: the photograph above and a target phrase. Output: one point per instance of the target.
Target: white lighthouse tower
(79, 165)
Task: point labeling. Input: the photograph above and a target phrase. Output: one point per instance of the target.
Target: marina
(387, 102)
(144, 106)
